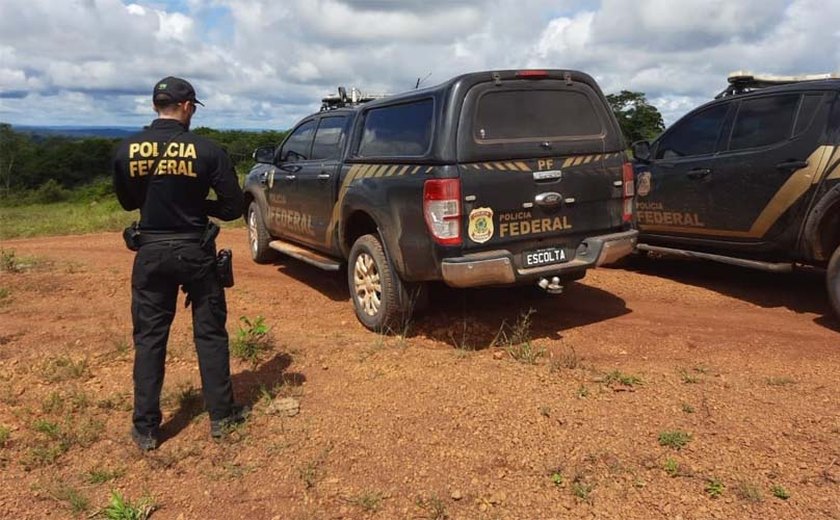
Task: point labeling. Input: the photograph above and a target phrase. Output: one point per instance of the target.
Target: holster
(131, 236)
(224, 267)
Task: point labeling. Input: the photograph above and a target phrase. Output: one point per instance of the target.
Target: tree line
(37, 168)
(40, 168)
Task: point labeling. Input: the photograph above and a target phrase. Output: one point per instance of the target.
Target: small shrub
(63, 368)
(50, 192)
(672, 467)
(569, 359)
(9, 262)
(714, 487)
(779, 492)
(516, 340)
(370, 501)
(688, 378)
(5, 434)
(103, 475)
(120, 508)
(748, 492)
(674, 439)
(76, 502)
(433, 508)
(581, 488)
(252, 340)
(625, 379)
(557, 478)
(687, 408)
(582, 392)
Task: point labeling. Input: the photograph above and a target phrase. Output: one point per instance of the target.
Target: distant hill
(77, 131)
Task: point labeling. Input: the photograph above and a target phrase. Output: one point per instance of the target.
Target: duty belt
(151, 237)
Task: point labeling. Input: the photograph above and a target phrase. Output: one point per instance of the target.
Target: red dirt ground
(413, 427)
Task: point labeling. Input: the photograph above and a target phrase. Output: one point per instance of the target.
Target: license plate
(550, 255)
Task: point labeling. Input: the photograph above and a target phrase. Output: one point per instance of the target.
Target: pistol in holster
(131, 236)
(224, 267)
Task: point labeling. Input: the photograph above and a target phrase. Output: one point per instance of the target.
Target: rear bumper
(499, 267)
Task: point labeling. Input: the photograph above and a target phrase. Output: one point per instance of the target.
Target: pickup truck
(489, 179)
(751, 178)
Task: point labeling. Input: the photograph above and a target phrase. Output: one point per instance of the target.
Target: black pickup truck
(751, 178)
(491, 178)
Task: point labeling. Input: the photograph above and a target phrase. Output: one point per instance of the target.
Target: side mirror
(641, 151)
(264, 154)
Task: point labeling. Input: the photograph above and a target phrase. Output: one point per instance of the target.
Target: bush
(49, 192)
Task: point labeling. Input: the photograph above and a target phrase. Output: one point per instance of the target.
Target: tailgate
(549, 202)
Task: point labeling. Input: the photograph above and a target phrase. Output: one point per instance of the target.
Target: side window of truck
(696, 135)
(297, 146)
(398, 130)
(329, 138)
(764, 121)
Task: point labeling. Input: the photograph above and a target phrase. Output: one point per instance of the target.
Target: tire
(258, 236)
(379, 296)
(832, 279)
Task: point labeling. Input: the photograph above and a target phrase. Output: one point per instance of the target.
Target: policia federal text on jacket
(167, 172)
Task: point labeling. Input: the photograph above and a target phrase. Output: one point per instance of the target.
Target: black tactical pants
(159, 270)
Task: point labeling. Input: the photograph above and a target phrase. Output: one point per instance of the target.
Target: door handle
(792, 165)
(698, 173)
(264, 178)
(291, 177)
(323, 176)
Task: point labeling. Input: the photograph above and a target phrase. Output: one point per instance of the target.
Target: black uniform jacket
(188, 166)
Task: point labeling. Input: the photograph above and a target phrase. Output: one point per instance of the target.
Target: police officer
(167, 172)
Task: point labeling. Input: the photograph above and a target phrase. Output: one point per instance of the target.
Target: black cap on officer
(172, 90)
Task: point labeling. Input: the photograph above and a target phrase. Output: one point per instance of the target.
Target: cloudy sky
(266, 63)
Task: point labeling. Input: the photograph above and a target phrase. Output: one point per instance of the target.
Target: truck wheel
(833, 281)
(258, 236)
(379, 296)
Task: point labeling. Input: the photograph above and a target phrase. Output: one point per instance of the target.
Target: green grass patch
(779, 492)
(369, 501)
(5, 435)
(516, 340)
(252, 340)
(674, 439)
(103, 475)
(121, 508)
(625, 379)
(64, 218)
(714, 487)
(62, 368)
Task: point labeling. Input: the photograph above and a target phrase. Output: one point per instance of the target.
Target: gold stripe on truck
(796, 186)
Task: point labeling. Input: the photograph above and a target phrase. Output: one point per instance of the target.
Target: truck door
(673, 189)
(766, 167)
(293, 159)
(317, 181)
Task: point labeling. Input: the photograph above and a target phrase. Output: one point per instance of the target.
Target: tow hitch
(551, 287)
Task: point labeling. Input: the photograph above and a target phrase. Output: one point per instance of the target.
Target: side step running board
(305, 255)
(752, 264)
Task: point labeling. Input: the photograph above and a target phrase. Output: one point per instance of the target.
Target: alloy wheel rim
(252, 230)
(367, 284)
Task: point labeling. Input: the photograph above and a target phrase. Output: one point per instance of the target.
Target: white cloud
(268, 63)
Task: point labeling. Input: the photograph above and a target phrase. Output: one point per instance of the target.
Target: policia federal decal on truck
(480, 228)
(655, 216)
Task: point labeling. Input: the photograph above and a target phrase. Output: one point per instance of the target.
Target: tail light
(629, 192)
(442, 210)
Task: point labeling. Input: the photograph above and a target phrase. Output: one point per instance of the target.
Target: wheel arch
(821, 234)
